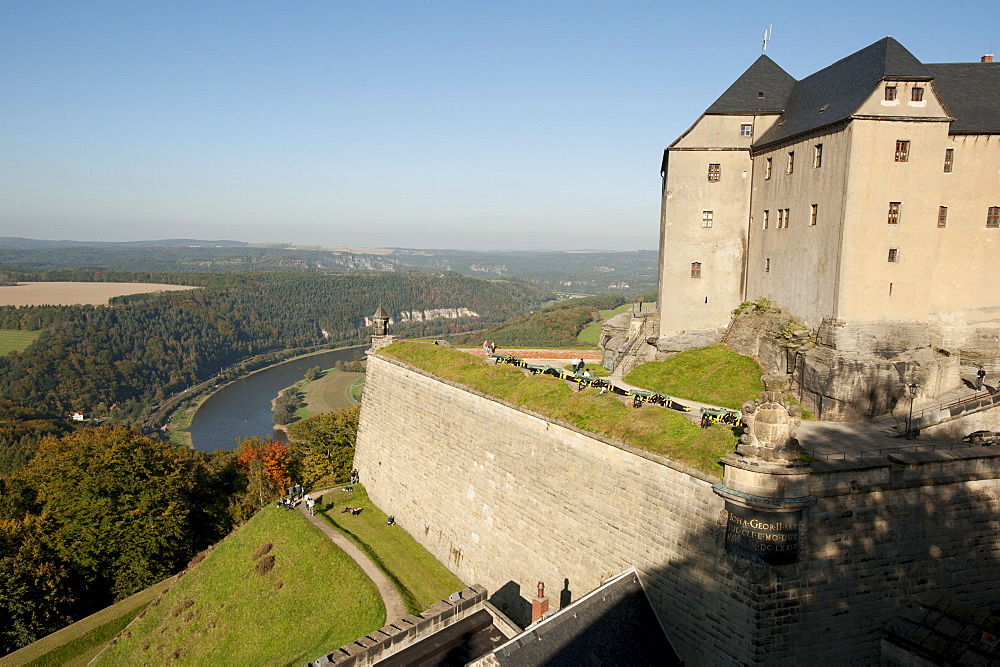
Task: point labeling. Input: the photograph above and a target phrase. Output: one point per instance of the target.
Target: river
(243, 408)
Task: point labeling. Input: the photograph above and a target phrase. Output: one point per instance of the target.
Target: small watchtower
(380, 330)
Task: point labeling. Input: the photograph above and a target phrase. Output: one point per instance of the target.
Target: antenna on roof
(767, 38)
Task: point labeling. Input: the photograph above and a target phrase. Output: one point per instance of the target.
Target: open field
(77, 644)
(330, 392)
(276, 591)
(15, 341)
(69, 294)
(591, 333)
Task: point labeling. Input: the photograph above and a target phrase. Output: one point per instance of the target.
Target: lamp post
(909, 419)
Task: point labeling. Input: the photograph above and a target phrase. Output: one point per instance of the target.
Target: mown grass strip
(649, 428)
(418, 576)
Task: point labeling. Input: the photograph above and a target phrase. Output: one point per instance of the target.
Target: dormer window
(760, 94)
(890, 93)
(917, 95)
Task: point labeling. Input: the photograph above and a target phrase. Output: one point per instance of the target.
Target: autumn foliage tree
(267, 466)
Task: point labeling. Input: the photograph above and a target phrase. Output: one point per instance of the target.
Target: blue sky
(507, 125)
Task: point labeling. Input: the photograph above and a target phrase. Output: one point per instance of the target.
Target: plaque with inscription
(763, 537)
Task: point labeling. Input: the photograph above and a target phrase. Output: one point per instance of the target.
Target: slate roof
(971, 91)
(834, 93)
(613, 625)
(380, 314)
(743, 98)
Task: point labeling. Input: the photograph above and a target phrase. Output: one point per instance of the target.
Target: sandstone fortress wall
(506, 498)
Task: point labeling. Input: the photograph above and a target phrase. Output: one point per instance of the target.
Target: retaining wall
(506, 498)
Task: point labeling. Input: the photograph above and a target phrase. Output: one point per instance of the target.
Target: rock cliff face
(426, 315)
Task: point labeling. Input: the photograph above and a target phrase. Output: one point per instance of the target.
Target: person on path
(486, 347)
(574, 362)
(311, 505)
(980, 376)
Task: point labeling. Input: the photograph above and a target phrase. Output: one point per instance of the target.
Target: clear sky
(502, 125)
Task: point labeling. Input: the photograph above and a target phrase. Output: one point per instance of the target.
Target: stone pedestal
(766, 482)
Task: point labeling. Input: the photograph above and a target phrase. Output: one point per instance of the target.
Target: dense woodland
(143, 348)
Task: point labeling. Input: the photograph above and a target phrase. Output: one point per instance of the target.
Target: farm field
(16, 341)
(69, 294)
(330, 392)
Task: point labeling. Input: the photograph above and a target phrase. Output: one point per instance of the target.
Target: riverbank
(334, 390)
(180, 420)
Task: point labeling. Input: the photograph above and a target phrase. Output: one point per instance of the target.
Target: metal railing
(885, 451)
(626, 351)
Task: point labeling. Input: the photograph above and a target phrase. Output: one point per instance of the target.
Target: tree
(314, 373)
(267, 466)
(118, 504)
(325, 444)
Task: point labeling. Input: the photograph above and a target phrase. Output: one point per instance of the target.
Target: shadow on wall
(864, 556)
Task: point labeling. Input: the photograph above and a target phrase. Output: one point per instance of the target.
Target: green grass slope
(231, 609)
(591, 334)
(712, 375)
(420, 578)
(649, 428)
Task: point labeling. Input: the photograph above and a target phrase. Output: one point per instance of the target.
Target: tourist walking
(980, 376)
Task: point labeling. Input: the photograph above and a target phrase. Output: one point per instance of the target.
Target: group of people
(489, 347)
(579, 365)
(353, 510)
(290, 502)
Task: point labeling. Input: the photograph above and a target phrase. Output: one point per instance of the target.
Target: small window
(949, 159)
(746, 130)
(788, 217)
(783, 215)
(707, 217)
(767, 217)
(813, 214)
(942, 216)
(917, 95)
(893, 254)
(714, 172)
(890, 93)
(894, 207)
(767, 169)
(791, 162)
(760, 94)
(902, 151)
(817, 156)
(696, 269)
(993, 216)
(767, 265)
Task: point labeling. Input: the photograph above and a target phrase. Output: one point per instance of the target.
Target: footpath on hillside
(395, 609)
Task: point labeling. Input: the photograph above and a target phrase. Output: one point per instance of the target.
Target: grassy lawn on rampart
(712, 375)
(232, 609)
(649, 428)
(420, 578)
(12, 340)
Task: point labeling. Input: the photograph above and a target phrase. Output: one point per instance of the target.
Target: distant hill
(16, 242)
(568, 272)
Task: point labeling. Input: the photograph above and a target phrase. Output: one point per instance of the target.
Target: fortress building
(864, 201)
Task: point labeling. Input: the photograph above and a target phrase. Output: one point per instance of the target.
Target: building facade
(865, 194)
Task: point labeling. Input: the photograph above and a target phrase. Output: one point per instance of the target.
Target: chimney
(988, 58)
(539, 604)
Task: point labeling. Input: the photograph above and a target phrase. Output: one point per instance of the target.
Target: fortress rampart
(506, 498)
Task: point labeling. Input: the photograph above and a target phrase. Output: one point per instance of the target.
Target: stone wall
(505, 498)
